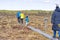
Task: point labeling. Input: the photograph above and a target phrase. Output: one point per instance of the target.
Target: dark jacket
(55, 20)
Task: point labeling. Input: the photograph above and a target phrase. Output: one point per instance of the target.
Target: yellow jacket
(22, 15)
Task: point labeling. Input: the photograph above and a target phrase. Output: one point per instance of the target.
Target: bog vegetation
(11, 30)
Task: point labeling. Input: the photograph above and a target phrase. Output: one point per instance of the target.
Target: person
(18, 16)
(27, 20)
(55, 20)
(22, 16)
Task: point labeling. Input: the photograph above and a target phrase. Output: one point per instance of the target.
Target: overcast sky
(28, 4)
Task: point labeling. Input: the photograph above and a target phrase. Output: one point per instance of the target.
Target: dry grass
(11, 30)
(38, 22)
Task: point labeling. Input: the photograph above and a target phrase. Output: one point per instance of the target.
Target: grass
(11, 30)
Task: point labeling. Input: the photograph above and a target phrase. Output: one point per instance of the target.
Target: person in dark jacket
(18, 16)
(55, 20)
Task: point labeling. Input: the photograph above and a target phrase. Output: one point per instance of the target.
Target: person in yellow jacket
(22, 16)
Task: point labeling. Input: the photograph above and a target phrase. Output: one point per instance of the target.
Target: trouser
(26, 23)
(55, 33)
(22, 21)
(19, 19)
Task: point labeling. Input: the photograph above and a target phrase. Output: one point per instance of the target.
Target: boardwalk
(42, 33)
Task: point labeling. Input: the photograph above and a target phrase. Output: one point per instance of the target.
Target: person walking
(22, 16)
(55, 20)
(27, 20)
(18, 16)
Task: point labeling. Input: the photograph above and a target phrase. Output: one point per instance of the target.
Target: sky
(28, 4)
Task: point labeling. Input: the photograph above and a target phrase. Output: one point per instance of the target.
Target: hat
(57, 6)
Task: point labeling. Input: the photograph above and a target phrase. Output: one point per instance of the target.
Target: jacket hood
(57, 9)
